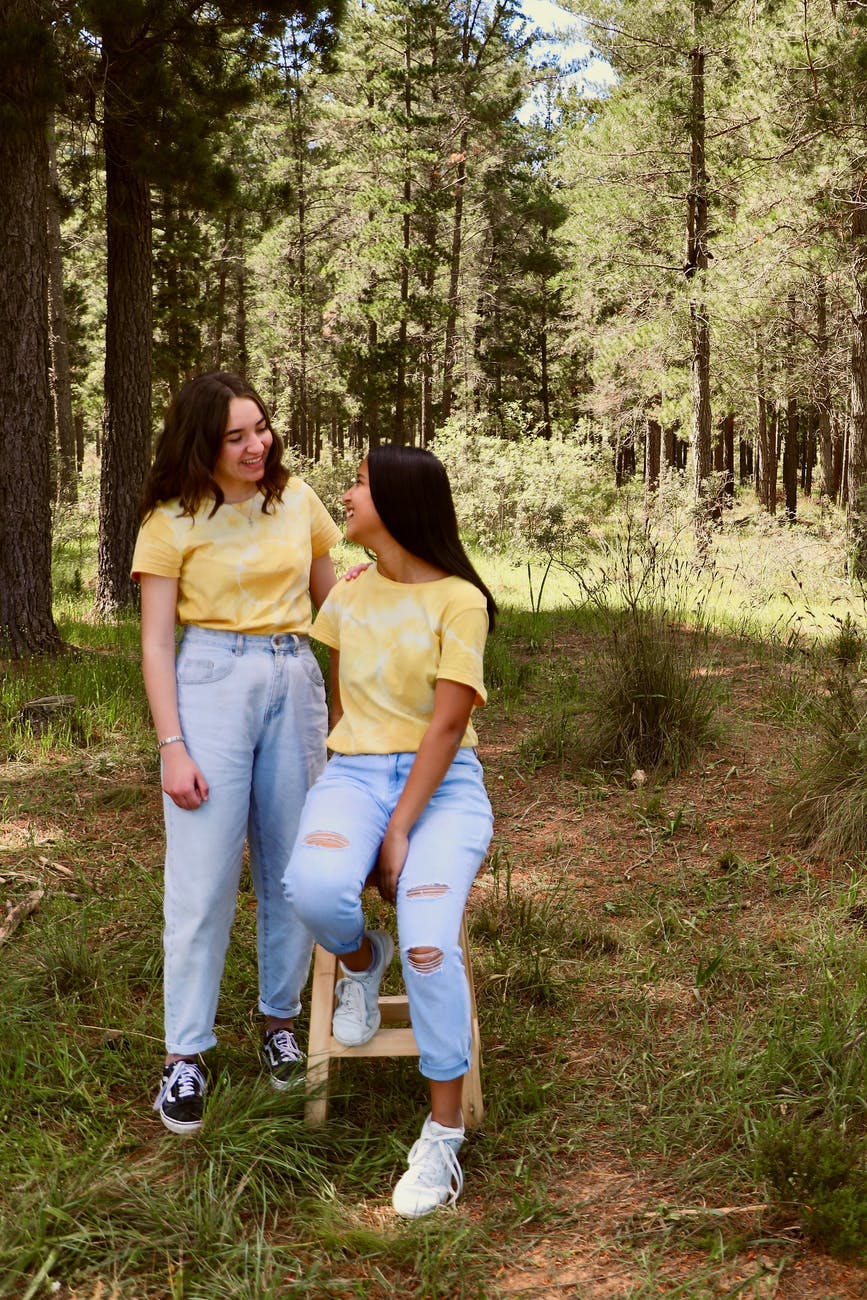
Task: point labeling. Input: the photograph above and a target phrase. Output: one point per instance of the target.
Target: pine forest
(608, 260)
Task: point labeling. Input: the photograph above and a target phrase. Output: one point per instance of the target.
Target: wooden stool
(393, 1038)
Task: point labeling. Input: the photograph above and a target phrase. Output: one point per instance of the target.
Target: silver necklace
(246, 507)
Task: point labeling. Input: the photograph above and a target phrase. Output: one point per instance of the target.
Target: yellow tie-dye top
(241, 570)
(396, 640)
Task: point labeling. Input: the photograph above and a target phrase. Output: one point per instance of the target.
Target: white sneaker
(356, 1016)
(434, 1176)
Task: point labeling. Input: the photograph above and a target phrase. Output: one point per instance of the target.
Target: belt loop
(238, 647)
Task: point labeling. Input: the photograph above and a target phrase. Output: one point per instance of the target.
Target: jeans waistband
(238, 642)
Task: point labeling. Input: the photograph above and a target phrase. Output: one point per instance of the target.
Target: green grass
(692, 1026)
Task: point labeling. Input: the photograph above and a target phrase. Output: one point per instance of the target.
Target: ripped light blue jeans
(253, 714)
(344, 820)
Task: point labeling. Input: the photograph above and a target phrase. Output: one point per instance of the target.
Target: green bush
(826, 801)
(532, 494)
(818, 1169)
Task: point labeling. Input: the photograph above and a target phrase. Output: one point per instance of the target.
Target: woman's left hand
(355, 571)
(389, 865)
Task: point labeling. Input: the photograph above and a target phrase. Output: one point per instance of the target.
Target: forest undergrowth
(671, 982)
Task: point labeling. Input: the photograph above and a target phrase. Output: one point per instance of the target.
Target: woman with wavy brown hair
(233, 548)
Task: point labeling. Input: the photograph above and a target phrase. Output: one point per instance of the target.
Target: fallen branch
(16, 914)
(705, 1211)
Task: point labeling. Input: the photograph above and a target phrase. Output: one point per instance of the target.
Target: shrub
(817, 1168)
(646, 698)
(827, 800)
(532, 494)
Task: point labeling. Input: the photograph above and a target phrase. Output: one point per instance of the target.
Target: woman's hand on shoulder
(183, 780)
(355, 571)
(390, 863)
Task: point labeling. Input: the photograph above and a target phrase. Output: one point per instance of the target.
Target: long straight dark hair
(413, 498)
(190, 443)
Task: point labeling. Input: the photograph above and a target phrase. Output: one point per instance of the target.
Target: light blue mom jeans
(342, 826)
(253, 714)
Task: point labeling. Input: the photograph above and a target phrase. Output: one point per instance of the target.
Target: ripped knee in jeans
(425, 961)
(326, 840)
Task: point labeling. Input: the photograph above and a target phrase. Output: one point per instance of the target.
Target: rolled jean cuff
(444, 1074)
(277, 1013)
(191, 1049)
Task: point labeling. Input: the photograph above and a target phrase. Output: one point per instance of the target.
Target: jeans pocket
(200, 672)
(312, 672)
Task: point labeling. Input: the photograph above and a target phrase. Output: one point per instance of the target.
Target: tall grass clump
(826, 801)
(645, 698)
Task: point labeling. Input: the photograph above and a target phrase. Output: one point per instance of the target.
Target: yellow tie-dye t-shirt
(396, 640)
(241, 570)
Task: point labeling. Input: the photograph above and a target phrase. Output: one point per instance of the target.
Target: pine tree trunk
(64, 421)
(837, 456)
(823, 394)
(371, 378)
(128, 348)
(242, 356)
(766, 479)
(790, 459)
(218, 346)
(545, 385)
(400, 422)
(26, 426)
(454, 277)
(728, 455)
(299, 150)
(857, 459)
(696, 266)
(809, 457)
(652, 456)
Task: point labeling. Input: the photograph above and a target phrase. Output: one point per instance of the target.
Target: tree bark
(790, 459)
(128, 334)
(652, 456)
(64, 420)
(766, 477)
(26, 425)
(727, 439)
(400, 429)
(696, 266)
(823, 393)
(857, 460)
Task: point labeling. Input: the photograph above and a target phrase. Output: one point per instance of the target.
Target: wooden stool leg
(319, 1044)
(322, 1047)
(471, 1093)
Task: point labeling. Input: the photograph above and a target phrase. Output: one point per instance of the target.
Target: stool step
(385, 1042)
(393, 1038)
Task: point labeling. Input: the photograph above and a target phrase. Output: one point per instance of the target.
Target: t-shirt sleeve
(156, 549)
(324, 532)
(462, 658)
(326, 624)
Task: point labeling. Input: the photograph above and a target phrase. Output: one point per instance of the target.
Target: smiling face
(363, 524)
(246, 443)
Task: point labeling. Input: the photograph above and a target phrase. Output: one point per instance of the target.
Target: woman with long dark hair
(233, 548)
(403, 795)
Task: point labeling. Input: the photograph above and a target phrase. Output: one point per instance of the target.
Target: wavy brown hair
(190, 443)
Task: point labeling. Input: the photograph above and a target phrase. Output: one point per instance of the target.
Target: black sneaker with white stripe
(283, 1058)
(181, 1097)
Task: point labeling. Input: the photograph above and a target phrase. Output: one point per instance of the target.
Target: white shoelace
(283, 1044)
(350, 997)
(433, 1163)
(189, 1079)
